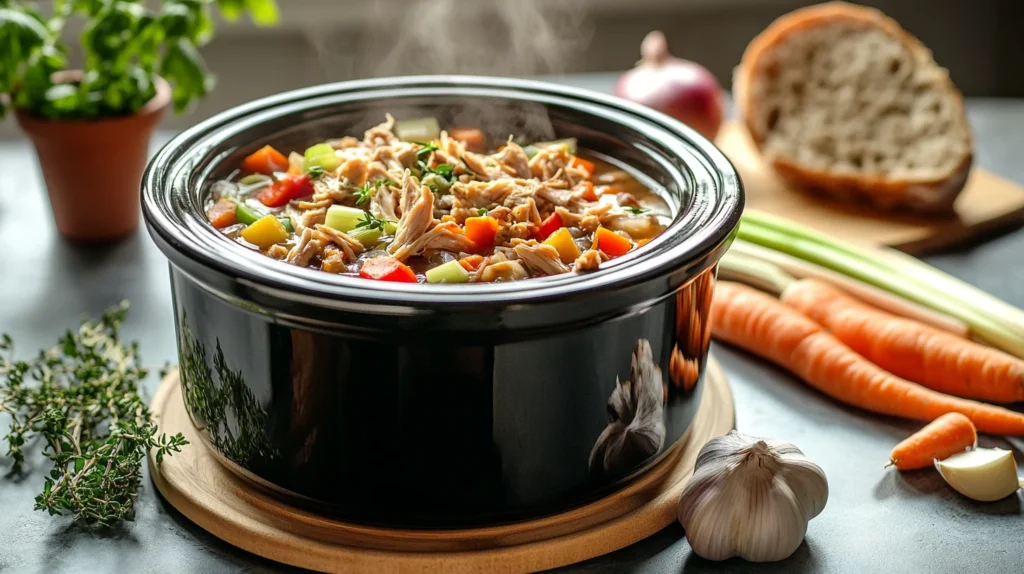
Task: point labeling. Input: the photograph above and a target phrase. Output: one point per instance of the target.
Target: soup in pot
(411, 202)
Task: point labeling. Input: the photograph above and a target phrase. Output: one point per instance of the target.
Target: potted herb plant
(91, 126)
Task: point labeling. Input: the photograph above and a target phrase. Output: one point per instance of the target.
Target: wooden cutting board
(988, 204)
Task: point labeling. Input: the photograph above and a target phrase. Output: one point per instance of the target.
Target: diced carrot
(611, 243)
(481, 230)
(284, 190)
(548, 226)
(588, 191)
(387, 269)
(265, 160)
(474, 138)
(471, 263)
(222, 213)
(587, 166)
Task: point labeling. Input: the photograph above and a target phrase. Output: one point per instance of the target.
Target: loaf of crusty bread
(842, 101)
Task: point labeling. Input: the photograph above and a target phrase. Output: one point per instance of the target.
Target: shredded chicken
(514, 161)
(444, 236)
(589, 260)
(349, 246)
(333, 260)
(277, 251)
(354, 171)
(383, 203)
(527, 212)
(417, 217)
(539, 258)
(381, 135)
(586, 221)
(307, 248)
(311, 218)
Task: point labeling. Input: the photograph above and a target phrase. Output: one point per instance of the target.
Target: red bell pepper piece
(387, 269)
(548, 226)
(284, 190)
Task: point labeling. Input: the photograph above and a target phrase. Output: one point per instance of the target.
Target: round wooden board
(216, 499)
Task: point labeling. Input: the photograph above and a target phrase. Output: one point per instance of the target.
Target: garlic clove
(984, 474)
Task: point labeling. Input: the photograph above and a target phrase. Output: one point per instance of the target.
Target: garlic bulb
(984, 474)
(750, 498)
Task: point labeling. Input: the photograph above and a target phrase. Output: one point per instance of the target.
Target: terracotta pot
(93, 169)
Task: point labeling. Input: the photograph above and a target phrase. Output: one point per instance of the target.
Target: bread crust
(918, 195)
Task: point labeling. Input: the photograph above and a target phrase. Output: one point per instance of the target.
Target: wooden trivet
(213, 497)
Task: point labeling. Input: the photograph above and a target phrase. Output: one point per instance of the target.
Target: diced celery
(451, 272)
(321, 155)
(368, 237)
(569, 143)
(418, 130)
(391, 227)
(245, 214)
(436, 183)
(344, 218)
(254, 178)
(287, 222)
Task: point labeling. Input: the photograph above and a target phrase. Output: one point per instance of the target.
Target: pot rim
(197, 245)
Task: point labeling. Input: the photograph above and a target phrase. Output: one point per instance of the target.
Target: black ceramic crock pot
(437, 406)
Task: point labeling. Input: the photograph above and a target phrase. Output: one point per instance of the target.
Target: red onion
(680, 88)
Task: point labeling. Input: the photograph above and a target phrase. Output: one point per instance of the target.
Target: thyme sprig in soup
(411, 202)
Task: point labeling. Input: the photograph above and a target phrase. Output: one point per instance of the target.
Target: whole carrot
(909, 349)
(760, 324)
(945, 436)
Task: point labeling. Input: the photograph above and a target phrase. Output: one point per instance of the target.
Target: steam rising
(505, 38)
(485, 37)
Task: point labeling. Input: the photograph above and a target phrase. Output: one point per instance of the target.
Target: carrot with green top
(950, 434)
(909, 349)
(758, 323)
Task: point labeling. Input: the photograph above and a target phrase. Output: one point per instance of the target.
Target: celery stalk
(736, 266)
(845, 259)
(908, 267)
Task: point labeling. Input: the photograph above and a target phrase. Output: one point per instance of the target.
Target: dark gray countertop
(876, 520)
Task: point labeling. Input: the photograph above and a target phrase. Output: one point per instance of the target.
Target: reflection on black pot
(228, 413)
(636, 429)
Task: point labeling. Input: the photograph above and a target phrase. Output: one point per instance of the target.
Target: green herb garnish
(443, 170)
(481, 211)
(424, 152)
(636, 210)
(370, 221)
(82, 398)
(364, 193)
(315, 171)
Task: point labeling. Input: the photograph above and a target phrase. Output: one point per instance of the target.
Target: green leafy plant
(81, 398)
(126, 46)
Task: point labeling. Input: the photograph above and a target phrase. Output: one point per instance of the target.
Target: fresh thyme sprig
(364, 193)
(371, 221)
(82, 398)
(635, 210)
